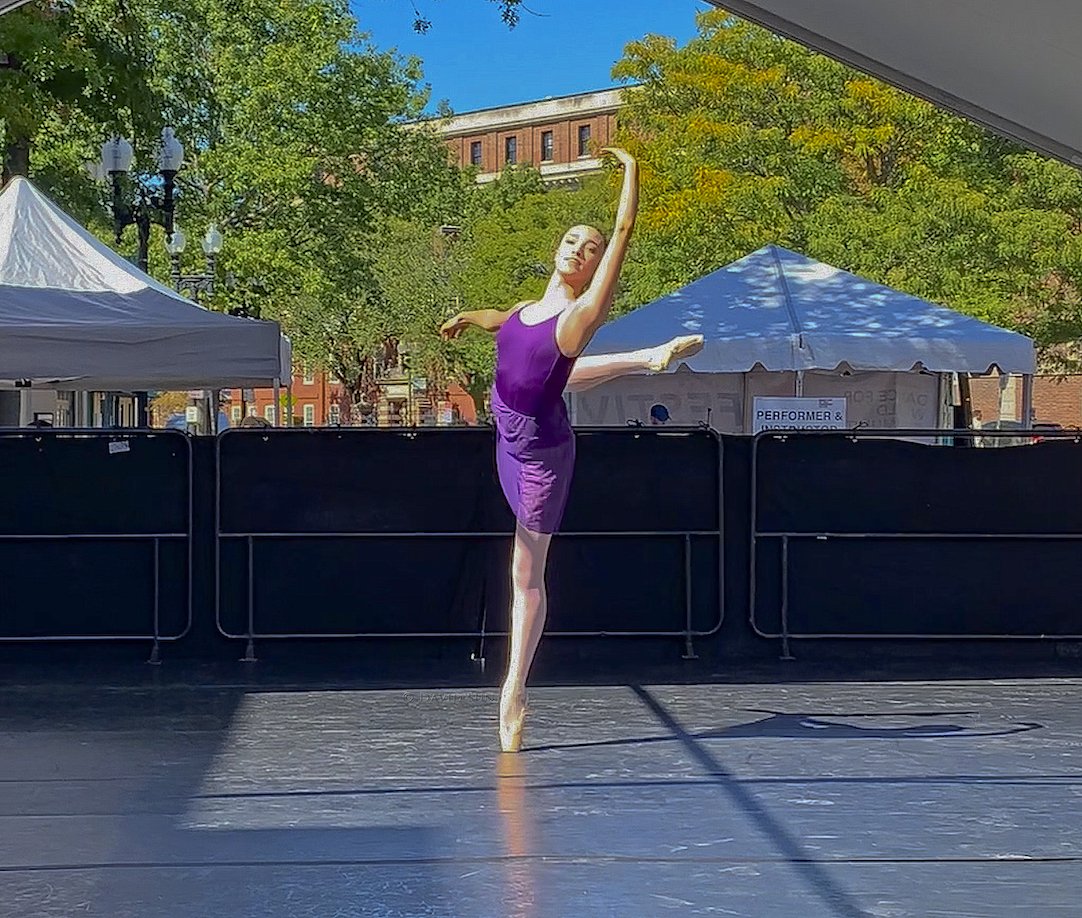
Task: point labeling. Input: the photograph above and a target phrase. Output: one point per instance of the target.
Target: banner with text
(798, 414)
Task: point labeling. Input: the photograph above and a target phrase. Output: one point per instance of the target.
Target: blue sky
(473, 60)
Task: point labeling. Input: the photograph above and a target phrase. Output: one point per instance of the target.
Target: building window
(335, 412)
(584, 140)
(475, 153)
(510, 149)
(253, 411)
(546, 146)
(234, 414)
(309, 415)
(268, 413)
(309, 376)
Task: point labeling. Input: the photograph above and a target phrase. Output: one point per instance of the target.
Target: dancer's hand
(621, 156)
(454, 327)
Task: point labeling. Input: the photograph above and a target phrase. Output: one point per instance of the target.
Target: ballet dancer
(537, 360)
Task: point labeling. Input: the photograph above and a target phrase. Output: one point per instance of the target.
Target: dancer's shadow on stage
(832, 725)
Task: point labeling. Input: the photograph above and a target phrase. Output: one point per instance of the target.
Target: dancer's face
(578, 254)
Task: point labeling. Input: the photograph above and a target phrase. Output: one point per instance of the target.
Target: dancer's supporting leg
(594, 370)
(529, 606)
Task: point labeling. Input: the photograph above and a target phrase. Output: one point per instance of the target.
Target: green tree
(306, 158)
(748, 139)
(65, 67)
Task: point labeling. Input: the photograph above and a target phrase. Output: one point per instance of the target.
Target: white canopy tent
(1012, 67)
(777, 323)
(74, 315)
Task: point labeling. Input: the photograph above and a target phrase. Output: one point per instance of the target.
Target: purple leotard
(535, 446)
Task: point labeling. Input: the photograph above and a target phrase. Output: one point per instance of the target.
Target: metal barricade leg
(785, 654)
(155, 658)
(689, 646)
(249, 650)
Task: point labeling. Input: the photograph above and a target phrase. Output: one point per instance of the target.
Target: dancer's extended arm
(591, 309)
(488, 320)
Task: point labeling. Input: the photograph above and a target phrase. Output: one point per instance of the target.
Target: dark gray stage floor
(955, 798)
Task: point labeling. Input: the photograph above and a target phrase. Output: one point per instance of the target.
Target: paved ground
(820, 798)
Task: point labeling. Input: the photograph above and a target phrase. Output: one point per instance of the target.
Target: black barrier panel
(644, 480)
(58, 482)
(969, 588)
(827, 483)
(448, 585)
(88, 588)
(352, 586)
(444, 480)
(358, 480)
(95, 532)
(360, 532)
(636, 584)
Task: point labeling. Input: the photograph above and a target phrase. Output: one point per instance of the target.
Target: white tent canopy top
(782, 311)
(1012, 67)
(75, 315)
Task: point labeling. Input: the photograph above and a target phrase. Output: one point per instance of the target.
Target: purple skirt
(535, 459)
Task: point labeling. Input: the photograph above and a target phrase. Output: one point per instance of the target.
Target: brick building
(320, 400)
(1056, 399)
(559, 136)
(317, 401)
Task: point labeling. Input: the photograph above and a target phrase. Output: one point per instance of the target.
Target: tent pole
(799, 383)
(965, 399)
(277, 403)
(289, 404)
(1027, 402)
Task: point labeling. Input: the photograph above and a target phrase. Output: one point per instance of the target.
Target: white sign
(191, 414)
(798, 414)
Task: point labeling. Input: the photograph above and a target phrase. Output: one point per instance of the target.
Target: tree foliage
(295, 145)
(748, 139)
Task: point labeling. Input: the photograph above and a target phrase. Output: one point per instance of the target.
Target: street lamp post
(149, 206)
(154, 202)
(194, 283)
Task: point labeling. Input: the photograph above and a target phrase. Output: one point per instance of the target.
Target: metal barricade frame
(156, 538)
(688, 632)
(785, 634)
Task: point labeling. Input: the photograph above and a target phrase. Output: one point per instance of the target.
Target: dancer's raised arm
(488, 320)
(591, 308)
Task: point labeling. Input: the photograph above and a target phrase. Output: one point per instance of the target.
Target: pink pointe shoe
(511, 724)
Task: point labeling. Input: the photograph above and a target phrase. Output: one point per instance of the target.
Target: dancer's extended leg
(596, 369)
(529, 605)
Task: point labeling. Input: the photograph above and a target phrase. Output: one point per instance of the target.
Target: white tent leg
(215, 396)
(1027, 402)
(799, 384)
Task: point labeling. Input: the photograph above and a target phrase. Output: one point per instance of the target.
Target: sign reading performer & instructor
(770, 413)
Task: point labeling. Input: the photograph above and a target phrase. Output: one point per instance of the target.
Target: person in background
(659, 415)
